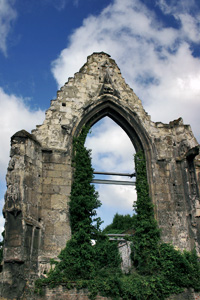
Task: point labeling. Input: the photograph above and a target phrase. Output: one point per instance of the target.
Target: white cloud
(112, 150)
(178, 93)
(175, 7)
(155, 60)
(15, 116)
(1, 226)
(115, 199)
(7, 16)
(118, 196)
(1, 219)
(188, 15)
(190, 26)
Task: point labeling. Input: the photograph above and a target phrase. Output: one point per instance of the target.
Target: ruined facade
(40, 171)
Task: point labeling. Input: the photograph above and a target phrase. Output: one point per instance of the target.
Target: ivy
(84, 198)
(147, 234)
(159, 270)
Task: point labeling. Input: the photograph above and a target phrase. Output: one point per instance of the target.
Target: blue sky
(155, 43)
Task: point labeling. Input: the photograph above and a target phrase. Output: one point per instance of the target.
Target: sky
(156, 44)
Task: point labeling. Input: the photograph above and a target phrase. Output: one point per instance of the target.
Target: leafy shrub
(119, 224)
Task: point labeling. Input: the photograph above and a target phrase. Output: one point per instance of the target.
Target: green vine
(147, 234)
(158, 269)
(84, 198)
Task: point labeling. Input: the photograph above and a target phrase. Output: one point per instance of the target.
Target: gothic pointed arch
(123, 117)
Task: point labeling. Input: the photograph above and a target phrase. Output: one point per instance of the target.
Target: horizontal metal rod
(116, 182)
(117, 174)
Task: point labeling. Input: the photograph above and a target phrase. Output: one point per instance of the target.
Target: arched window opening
(112, 152)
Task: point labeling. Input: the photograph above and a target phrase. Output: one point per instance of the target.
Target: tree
(120, 224)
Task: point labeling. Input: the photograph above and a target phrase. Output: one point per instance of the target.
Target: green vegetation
(84, 198)
(158, 269)
(119, 224)
(147, 235)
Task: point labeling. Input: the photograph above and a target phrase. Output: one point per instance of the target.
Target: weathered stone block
(59, 202)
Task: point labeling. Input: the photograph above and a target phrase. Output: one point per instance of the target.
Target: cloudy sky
(155, 43)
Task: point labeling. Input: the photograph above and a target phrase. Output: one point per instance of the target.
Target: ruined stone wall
(22, 212)
(61, 293)
(40, 170)
(56, 187)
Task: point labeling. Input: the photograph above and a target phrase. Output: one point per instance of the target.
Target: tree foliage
(120, 224)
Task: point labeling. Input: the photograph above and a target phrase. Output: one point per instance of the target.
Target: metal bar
(117, 174)
(116, 182)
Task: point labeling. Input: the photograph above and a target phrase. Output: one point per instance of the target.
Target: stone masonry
(40, 172)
